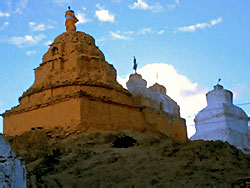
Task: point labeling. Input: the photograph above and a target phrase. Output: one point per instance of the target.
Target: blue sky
(190, 43)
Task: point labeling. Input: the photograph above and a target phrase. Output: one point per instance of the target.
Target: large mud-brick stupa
(76, 88)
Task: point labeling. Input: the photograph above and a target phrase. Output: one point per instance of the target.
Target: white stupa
(154, 97)
(12, 171)
(221, 120)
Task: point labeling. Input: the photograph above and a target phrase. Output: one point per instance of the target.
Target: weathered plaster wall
(95, 114)
(62, 114)
(98, 115)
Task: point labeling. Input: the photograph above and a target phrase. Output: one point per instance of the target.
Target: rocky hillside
(60, 158)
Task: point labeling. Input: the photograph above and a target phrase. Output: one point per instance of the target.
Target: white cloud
(149, 30)
(47, 43)
(4, 14)
(173, 5)
(102, 39)
(142, 5)
(27, 40)
(36, 27)
(128, 35)
(187, 94)
(129, 32)
(50, 26)
(104, 15)
(160, 32)
(61, 2)
(144, 31)
(81, 16)
(193, 28)
(4, 25)
(214, 22)
(39, 27)
(117, 35)
(30, 52)
(20, 6)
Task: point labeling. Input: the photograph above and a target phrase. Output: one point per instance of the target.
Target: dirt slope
(57, 158)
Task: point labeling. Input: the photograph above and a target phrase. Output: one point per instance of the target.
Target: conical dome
(73, 58)
(70, 44)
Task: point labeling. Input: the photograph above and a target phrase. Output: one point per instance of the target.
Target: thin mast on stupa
(135, 64)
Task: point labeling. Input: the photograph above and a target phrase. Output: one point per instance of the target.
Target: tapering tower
(221, 120)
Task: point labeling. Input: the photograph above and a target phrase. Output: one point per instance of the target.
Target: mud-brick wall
(61, 114)
(95, 115)
(107, 116)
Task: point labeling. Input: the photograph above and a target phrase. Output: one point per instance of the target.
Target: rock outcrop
(76, 88)
(221, 120)
(56, 158)
(12, 171)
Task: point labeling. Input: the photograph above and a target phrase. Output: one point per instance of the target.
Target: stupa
(221, 120)
(76, 88)
(12, 170)
(153, 97)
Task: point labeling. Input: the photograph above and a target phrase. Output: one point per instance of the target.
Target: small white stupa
(12, 171)
(154, 97)
(221, 120)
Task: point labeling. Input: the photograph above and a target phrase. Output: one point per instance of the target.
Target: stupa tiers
(221, 120)
(76, 88)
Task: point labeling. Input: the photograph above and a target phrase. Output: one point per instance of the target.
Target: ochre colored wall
(62, 114)
(102, 116)
(98, 116)
(95, 115)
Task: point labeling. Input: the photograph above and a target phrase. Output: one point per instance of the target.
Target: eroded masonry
(76, 88)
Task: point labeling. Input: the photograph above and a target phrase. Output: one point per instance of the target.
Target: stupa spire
(70, 20)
